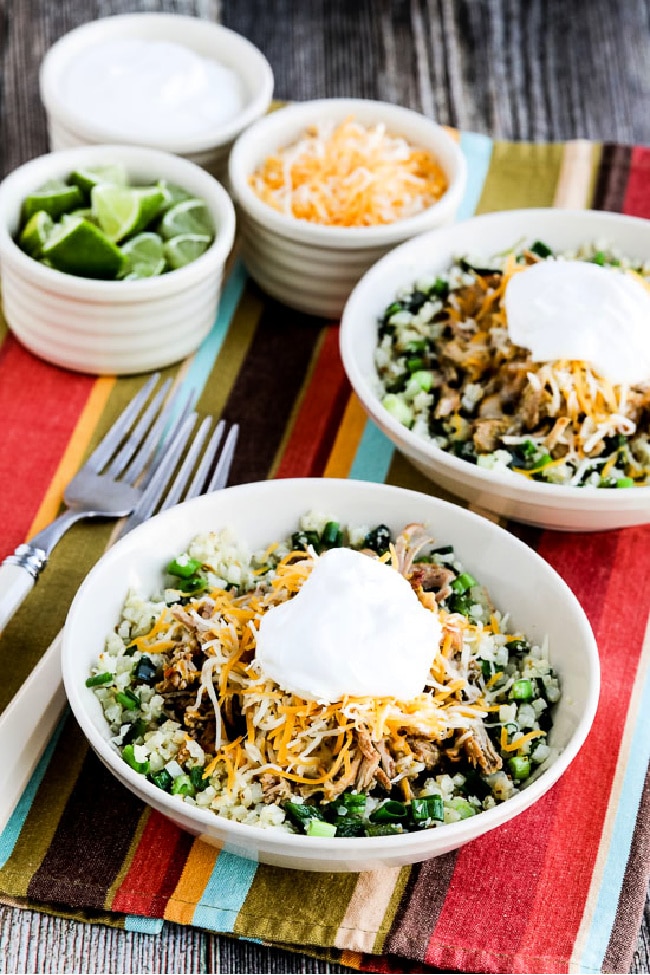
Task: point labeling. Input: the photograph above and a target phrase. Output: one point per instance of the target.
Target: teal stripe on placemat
(607, 905)
(11, 832)
(478, 152)
(143, 925)
(373, 456)
(225, 893)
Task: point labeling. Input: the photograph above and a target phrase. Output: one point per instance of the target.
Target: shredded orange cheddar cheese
(350, 176)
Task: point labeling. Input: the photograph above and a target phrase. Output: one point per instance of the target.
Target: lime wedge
(36, 232)
(85, 179)
(187, 217)
(77, 246)
(173, 194)
(145, 257)
(123, 212)
(53, 199)
(185, 248)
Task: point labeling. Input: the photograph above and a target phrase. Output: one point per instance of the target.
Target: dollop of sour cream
(579, 310)
(356, 628)
(147, 89)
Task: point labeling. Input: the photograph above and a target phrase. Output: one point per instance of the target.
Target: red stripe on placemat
(636, 202)
(39, 405)
(619, 630)
(516, 873)
(319, 416)
(155, 869)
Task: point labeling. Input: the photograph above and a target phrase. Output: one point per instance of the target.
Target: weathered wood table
(544, 70)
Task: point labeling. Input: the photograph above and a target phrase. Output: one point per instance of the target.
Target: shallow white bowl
(112, 327)
(261, 512)
(210, 150)
(313, 267)
(508, 494)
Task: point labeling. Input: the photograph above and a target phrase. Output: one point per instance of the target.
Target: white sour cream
(356, 627)
(151, 90)
(578, 310)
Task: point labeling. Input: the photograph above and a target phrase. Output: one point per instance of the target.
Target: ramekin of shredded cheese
(325, 188)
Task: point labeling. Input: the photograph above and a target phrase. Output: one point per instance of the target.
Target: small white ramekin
(313, 267)
(209, 150)
(112, 327)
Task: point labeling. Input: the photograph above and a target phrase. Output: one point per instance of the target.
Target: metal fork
(130, 463)
(31, 716)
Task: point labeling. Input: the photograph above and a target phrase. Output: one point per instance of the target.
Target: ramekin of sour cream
(177, 83)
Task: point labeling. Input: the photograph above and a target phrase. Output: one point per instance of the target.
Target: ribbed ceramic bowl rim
(283, 122)
(529, 491)
(56, 106)
(15, 261)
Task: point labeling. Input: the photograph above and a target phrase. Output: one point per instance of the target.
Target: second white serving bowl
(506, 493)
(519, 581)
(112, 327)
(209, 148)
(313, 267)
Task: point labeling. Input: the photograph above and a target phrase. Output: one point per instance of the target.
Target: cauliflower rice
(188, 708)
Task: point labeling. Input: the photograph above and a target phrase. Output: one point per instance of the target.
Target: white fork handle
(18, 573)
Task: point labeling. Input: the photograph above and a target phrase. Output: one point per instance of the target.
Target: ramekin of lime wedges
(95, 224)
(112, 257)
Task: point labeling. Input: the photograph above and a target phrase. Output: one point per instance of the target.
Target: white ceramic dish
(518, 579)
(510, 495)
(313, 267)
(210, 149)
(112, 327)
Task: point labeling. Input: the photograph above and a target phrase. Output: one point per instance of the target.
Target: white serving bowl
(209, 149)
(507, 494)
(313, 267)
(112, 327)
(261, 512)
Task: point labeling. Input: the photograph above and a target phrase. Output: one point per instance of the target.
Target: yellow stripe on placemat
(193, 881)
(521, 175)
(74, 453)
(347, 439)
(128, 859)
(295, 907)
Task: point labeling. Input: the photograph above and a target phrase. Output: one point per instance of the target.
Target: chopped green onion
(317, 827)
(519, 766)
(127, 699)
(182, 786)
(197, 778)
(355, 803)
(462, 806)
(332, 536)
(128, 754)
(136, 730)
(426, 808)
(390, 811)
(98, 679)
(624, 482)
(162, 779)
(185, 568)
(302, 812)
(541, 249)
(522, 690)
(463, 582)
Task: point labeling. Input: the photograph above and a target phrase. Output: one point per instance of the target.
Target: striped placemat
(559, 889)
